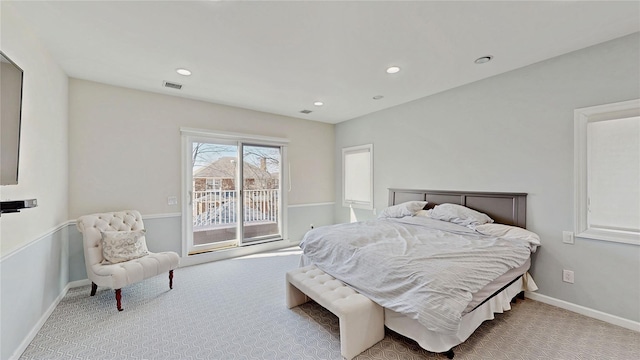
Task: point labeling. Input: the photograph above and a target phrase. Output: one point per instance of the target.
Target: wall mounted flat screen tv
(10, 116)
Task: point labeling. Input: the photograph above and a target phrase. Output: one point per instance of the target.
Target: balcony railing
(219, 207)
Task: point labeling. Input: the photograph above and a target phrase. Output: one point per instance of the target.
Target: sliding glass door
(234, 194)
(213, 195)
(261, 193)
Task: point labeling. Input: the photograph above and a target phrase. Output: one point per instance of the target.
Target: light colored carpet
(235, 309)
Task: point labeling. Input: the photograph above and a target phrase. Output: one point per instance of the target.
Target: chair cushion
(119, 246)
(121, 274)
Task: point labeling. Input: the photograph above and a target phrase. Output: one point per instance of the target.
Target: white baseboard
(312, 204)
(34, 331)
(582, 310)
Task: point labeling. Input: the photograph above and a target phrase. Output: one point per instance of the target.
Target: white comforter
(424, 268)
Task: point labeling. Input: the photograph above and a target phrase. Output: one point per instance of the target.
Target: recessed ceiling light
(184, 72)
(378, 97)
(393, 70)
(483, 59)
(318, 103)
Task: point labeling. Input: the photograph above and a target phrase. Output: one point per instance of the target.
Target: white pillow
(408, 208)
(508, 232)
(120, 246)
(423, 213)
(459, 214)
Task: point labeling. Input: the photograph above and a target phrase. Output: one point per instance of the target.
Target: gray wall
(32, 278)
(514, 132)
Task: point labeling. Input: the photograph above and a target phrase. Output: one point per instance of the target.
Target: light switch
(567, 237)
(172, 200)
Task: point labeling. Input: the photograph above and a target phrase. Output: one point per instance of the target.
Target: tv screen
(10, 113)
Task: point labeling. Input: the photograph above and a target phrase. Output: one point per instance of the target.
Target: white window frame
(190, 134)
(582, 117)
(361, 203)
(210, 181)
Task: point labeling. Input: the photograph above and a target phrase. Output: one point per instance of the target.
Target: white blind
(358, 176)
(613, 174)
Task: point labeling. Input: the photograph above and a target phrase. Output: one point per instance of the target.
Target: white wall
(125, 147)
(34, 264)
(43, 145)
(514, 132)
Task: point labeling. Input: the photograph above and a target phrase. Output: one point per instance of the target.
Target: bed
(494, 275)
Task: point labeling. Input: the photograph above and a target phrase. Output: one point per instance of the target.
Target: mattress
(496, 285)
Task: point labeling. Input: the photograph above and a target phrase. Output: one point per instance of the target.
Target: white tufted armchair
(118, 275)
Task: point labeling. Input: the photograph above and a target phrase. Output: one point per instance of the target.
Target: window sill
(610, 235)
(368, 206)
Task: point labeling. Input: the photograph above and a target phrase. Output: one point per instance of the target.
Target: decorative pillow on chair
(120, 246)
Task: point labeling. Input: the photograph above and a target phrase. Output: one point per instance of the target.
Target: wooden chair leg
(118, 299)
(450, 354)
(170, 279)
(94, 288)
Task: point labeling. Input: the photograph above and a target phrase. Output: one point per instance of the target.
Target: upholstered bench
(361, 320)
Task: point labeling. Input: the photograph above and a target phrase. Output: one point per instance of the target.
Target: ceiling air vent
(172, 85)
(306, 111)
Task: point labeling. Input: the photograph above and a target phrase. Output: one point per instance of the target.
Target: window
(211, 184)
(607, 172)
(357, 176)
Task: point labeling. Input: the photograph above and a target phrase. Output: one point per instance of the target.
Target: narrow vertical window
(613, 173)
(607, 172)
(357, 176)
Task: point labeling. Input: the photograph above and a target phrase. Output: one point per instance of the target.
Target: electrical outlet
(567, 237)
(172, 200)
(567, 276)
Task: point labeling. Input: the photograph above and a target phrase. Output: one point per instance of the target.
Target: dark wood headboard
(503, 208)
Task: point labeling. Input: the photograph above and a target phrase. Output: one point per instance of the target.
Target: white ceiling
(280, 57)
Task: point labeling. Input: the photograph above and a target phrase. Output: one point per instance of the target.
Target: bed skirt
(435, 342)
